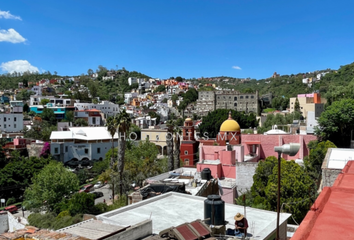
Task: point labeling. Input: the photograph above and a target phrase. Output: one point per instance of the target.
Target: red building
(189, 145)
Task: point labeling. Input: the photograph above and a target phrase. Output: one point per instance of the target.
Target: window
(301, 107)
(14, 119)
(186, 162)
(292, 103)
(86, 150)
(56, 150)
(98, 150)
(252, 96)
(66, 148)
(147, 137)
(247, 97)
(241, 97)
(4, 119)
(157, 137)
(185, 152)
(235, 98)
(235, 104)
(4, 125)
(14, 125)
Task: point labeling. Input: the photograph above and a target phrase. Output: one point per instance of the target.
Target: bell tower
(189, 146)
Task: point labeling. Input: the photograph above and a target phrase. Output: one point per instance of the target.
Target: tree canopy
(50, 186)
(297, 191)
(337, 122)
(212, 122)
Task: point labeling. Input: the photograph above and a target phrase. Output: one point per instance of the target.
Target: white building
(128, 97)
(133, 80)
(11, 122)
(61, 101)
(145, 122)
(37, 90)
(107, 108)
(81, 144)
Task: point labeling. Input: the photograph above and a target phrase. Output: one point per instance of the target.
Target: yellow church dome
(188, 119)
(230, 125)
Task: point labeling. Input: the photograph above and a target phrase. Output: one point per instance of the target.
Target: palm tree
(124, 123)
(177, 142)
(169, 141)
(112, 125)
(112, 128)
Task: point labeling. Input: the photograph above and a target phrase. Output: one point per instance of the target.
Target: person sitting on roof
(241, 225)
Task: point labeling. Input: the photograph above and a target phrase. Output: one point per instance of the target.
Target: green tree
(211, 123)
(297, 105)
(160, 88)
(141, 163)
(313, 162)
(169, 142)
(50, 187)
(69, 116)
(297, 191)
(80, 122)
(81, 203)
(93, 88)
(44, 101)
(49, 116)
(179, 79)
(124, 123)
(26, 108)
(112, 125)
(336, 123)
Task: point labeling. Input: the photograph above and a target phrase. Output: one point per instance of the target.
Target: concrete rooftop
(173, 209)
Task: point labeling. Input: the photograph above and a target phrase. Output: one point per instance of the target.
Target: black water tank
(206, 174)
(214, 209)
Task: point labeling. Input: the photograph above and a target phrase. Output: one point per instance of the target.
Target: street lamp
(291, 150)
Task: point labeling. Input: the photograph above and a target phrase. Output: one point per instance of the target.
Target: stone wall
(244, 176)
(329, 176)
(34, 149)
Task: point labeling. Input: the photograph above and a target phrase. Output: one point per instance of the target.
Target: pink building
(262, 146)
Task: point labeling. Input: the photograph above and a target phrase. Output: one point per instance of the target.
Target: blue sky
(188, 38)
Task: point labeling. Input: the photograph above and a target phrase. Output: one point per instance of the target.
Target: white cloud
(236, 67)
(8, 15)
(11, 36)
(18, 66)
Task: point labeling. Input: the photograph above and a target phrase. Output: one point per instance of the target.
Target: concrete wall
(244, 176)
(4, 223)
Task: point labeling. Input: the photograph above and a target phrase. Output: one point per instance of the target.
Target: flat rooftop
(337, 158)
(173, 209)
